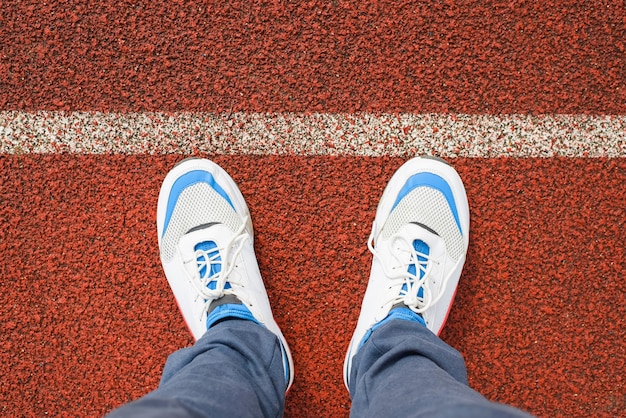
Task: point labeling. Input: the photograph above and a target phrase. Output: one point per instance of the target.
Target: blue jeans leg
(406, 370)
(235, 369)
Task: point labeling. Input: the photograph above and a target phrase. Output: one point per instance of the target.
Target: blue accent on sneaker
(229, 310)
(423, 248)
(434, 181)
(186, 180)
(213, 256)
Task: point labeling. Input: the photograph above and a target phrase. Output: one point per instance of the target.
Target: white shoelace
(224, 257)
(400, 275)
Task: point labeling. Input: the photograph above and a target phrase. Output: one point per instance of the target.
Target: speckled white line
(360, 134)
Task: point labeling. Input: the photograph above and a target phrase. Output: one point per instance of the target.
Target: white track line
(360, 134)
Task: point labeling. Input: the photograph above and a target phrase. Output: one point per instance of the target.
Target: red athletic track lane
(88, 318)
(471, 56)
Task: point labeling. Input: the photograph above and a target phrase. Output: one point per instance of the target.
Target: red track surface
(343, 56)
(86, 315)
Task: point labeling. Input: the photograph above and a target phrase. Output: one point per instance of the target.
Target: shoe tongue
(421, 238)
(199, 249)
(413, 232)
(204, 237)
(207, 255)
(422, 248)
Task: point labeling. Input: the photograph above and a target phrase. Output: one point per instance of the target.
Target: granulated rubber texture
(86, 315)
(468, 56)
(88, 318)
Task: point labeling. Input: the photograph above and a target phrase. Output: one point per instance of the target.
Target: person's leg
(406, 370)
(396, 365)
(240, 364)
(235, 369)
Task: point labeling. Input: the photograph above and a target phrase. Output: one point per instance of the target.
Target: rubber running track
(86, 316)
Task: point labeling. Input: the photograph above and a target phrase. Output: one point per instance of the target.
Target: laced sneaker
(205, 238)
(419, 240)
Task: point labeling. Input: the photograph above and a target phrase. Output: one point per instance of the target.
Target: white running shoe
(419, 240)
(206, 242)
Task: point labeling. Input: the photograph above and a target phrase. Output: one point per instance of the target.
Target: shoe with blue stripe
(206, 243)
(419, 240)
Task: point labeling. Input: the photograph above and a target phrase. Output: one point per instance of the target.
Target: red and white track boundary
(361, 134)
